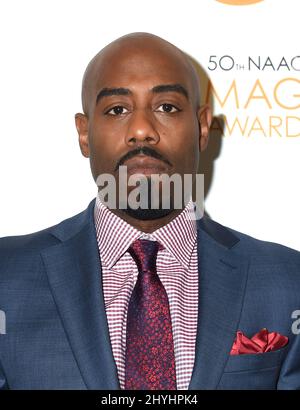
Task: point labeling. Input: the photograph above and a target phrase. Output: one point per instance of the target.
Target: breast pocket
(252, 371)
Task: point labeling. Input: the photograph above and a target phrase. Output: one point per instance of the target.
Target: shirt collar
(114, 235)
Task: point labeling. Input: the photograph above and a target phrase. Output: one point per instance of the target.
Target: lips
(143, 164)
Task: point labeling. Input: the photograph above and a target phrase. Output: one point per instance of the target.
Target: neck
(147, 226)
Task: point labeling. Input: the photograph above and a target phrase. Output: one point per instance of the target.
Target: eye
(117, 110)
(169, 108)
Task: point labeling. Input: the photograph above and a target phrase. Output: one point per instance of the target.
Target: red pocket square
(262, 342)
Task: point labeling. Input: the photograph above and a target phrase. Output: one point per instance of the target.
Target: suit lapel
(222, 282)
(74, 272)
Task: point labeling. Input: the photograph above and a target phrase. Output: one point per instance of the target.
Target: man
(126, 298)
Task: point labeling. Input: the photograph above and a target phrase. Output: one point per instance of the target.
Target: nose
(141, 128)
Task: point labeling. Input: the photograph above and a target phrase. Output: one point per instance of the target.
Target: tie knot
(144, 252)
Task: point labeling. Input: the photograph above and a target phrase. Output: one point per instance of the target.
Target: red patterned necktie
(149, 359)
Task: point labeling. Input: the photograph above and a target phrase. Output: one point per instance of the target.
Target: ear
(204, 118)
(82, 122)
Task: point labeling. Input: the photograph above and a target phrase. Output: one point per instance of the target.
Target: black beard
(145, 214)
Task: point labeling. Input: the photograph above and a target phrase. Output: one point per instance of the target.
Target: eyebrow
(107, 92)
(178, 88)
(163, 88)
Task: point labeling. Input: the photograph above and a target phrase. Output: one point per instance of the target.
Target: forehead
(132, 67)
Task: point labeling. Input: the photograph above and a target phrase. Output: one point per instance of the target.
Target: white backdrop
(45, 47)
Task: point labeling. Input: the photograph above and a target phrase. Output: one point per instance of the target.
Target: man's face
(143, 103)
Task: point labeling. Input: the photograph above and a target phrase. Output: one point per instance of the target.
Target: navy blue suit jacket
(56, 329)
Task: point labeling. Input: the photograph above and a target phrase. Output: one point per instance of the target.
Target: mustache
(142, 151)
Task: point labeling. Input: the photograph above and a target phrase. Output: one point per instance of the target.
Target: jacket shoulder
(37, 241)
(254, 248)
(258, 249)
(20, 255)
